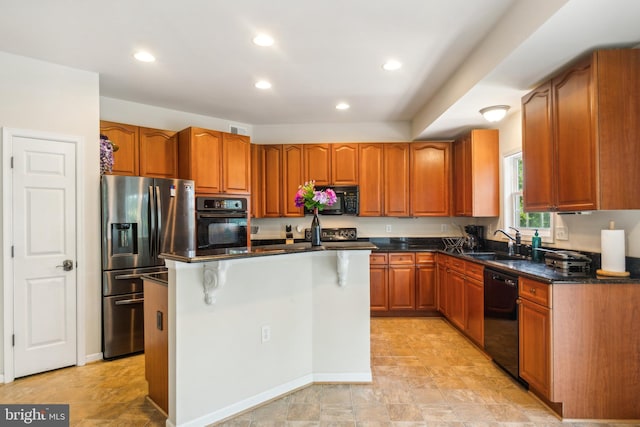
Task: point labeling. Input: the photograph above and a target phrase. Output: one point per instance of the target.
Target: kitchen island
(247, 326)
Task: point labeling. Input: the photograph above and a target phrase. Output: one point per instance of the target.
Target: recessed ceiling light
(342, 106)
(144, 56)
(391, 65)
(263, 40)
(263, 84)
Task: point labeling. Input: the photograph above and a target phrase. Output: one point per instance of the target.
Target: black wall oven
(221, 222)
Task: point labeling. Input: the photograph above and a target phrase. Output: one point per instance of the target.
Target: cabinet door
(574, 137)
(426, 287)
(484, 183)
(378, 288)
(271, 181)
(396, 180)
(455, 282)
(126, 159)
(156, 343)
(291, 178)
(158, 153)
(317, 163)
(199, 158)
(236, 164)
(474, 306)
(344, 164)
(370, 179)
(402, 286)
(535, 345)
(462, 176)
(538, 151)
(442, 286)
(257, 164)
(430, 179)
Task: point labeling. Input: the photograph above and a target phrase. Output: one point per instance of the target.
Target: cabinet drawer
(378, 258)
(402, 258)
(474, 271)
(425, 258)
(537, 292)
(456, 264)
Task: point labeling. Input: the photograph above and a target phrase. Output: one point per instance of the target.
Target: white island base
(266, 326)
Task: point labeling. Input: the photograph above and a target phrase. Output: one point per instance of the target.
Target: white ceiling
(458, 55)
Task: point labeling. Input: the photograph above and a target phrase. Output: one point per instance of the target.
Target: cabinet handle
(518, 301)
(533, 291)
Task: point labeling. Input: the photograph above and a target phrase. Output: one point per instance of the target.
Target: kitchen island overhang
(244, 330)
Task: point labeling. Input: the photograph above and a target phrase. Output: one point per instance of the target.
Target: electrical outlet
(444, 228)
(562, 233)
(266, 333)
(387, 228)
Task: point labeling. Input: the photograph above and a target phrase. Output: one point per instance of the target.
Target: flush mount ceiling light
(263, 84)
(494, 113)
(144, 56)
(263, 40)
(342, 106)
(391, 65)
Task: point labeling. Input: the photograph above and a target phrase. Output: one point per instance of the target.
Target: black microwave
(347, 202)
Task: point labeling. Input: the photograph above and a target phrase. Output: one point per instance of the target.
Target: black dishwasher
(501, 320)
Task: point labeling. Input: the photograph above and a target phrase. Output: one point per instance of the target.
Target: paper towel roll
(613, 254)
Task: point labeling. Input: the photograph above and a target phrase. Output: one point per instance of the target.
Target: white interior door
(44, 238)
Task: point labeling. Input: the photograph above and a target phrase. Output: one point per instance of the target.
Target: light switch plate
(562, 233)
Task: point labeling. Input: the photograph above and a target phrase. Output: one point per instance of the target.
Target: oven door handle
(223, 215)
(130, 301)
(129, 276)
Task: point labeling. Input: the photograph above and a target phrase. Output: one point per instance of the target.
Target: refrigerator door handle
(159, 220)
(152, 221)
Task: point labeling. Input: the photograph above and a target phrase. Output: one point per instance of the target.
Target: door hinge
(13, 340)
(11, 251)
(11, 162)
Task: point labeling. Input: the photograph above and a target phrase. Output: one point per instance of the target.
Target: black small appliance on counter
(475, 237)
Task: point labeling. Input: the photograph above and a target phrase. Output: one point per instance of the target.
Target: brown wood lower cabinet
(156, 342)
(579, 349)
(402, 283)
(461, 295)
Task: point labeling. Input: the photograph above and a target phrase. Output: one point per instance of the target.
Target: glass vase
(315, 229)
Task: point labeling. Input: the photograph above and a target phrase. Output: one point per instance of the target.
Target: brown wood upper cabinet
(142, 151)
(331, 164)
(396, 179)
(430, 178)
(580, 133)
(292, 172)
(476, 174)
(370, 179)
(218, 162)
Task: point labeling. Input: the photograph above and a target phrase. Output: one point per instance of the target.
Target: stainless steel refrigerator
(141, 218)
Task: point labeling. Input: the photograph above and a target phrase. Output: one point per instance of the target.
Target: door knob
(67, 265)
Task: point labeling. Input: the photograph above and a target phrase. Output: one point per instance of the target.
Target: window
(515, 216)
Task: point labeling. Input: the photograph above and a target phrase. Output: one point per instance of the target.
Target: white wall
(36, 95)
(332, 132)
(117, 110)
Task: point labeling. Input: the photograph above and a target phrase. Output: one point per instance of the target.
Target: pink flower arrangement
(309, 197)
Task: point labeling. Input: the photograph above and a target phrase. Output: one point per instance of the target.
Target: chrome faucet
(511, 239)
(503, 232)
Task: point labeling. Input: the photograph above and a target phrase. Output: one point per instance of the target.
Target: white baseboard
(93, 357)
(1, 378)
(348, 377)
(248, 403)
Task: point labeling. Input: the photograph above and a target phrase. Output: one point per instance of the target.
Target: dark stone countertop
(263, 250)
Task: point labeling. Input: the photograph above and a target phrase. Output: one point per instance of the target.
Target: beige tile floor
(424, 374)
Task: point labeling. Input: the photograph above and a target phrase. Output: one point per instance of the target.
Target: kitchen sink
(494, 256)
